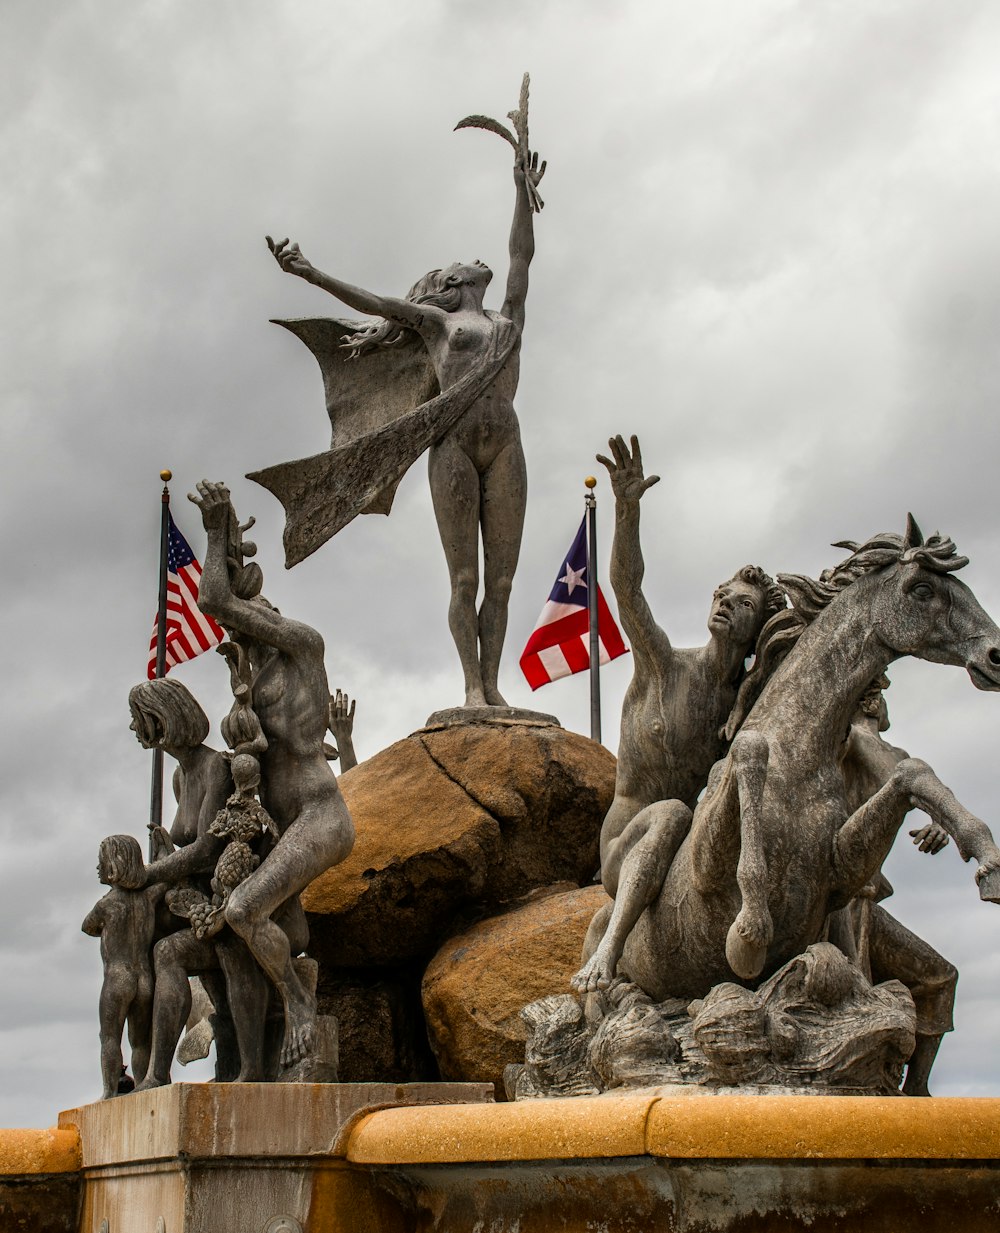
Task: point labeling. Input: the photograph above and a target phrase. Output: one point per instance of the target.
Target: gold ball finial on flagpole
(166, 475)
(590, 482)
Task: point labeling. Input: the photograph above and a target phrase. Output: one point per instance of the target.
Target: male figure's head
(741, 606)
(872, 707)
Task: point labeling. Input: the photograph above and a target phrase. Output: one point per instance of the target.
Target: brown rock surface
(476, 984)
(452, 824)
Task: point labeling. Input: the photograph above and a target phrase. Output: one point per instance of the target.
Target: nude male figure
(298, 789)
(675, 708)
(887, 950)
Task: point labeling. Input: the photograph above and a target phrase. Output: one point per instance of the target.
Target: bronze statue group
(755, 799)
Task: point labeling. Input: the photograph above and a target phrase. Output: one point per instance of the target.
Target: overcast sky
(770, 247)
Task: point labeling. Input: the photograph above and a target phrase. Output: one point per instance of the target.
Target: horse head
(921, 609)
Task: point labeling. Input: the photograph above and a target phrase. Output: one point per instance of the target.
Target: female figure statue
(477, 472)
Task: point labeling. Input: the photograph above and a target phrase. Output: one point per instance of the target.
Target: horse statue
(773, 848)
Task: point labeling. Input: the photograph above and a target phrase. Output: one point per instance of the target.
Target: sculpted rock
(476, 985)
(452, 825)
(817, 1024)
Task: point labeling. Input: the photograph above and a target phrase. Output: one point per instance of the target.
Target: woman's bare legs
(455, 493)
(504, 496)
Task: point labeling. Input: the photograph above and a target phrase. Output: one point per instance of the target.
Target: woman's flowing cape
(385, 409)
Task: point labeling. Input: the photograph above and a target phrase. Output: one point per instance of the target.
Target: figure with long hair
(166, 716)
(477, 471)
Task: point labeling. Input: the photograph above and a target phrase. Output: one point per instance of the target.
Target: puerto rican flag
(560, 643)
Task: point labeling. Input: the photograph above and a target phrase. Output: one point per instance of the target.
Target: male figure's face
(737, 612)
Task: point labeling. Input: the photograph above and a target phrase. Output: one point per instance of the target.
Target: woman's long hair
(436, 288)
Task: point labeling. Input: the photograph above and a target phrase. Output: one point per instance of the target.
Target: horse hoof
(989, 883)
(744, 956)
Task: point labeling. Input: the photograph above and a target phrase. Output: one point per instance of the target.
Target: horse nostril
(994, 656)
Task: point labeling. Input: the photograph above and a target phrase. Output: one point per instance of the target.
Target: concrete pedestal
(231, 1157)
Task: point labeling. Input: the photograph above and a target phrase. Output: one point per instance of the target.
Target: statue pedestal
(503, 715)
(232, 1157)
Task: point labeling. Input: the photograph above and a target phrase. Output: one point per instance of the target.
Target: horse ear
(914, 536)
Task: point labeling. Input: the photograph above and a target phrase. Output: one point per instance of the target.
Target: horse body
(772, 847)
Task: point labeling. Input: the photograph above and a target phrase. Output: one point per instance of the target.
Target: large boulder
(452, 825)
(476, 985)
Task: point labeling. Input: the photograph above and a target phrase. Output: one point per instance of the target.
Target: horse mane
(810, 596)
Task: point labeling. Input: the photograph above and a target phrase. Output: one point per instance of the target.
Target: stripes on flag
(560, 642)
(189, 630)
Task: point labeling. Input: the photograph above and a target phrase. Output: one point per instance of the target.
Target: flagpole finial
(590, 482)
(166, 475)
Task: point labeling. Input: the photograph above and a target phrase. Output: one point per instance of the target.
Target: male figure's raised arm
(215, 591)
(627, 565)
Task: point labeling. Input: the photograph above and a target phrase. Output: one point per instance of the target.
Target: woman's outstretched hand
(528, 172)
(530, 169)
(289, 257)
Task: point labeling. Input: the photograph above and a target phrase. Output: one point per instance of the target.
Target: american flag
(189, 631)
(560, 642)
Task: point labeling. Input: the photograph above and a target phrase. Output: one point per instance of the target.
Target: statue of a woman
(477, 472)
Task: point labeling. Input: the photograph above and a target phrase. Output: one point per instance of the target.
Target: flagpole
(156, 788)
(595, 648)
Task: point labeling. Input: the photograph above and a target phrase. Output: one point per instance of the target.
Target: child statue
(125, 921)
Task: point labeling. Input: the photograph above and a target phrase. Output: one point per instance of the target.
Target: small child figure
(125, 921)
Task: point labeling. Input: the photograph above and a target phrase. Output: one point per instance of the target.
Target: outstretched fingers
(930, 838)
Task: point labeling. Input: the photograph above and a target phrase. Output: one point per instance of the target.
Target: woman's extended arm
(627, 565)
(419, 317)
(522, 240)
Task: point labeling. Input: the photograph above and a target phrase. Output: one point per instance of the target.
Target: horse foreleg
(752, 931)
(972, 836)
(864, 840)
(715, 832)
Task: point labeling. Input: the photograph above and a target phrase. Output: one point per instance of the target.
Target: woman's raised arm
(522, 239)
